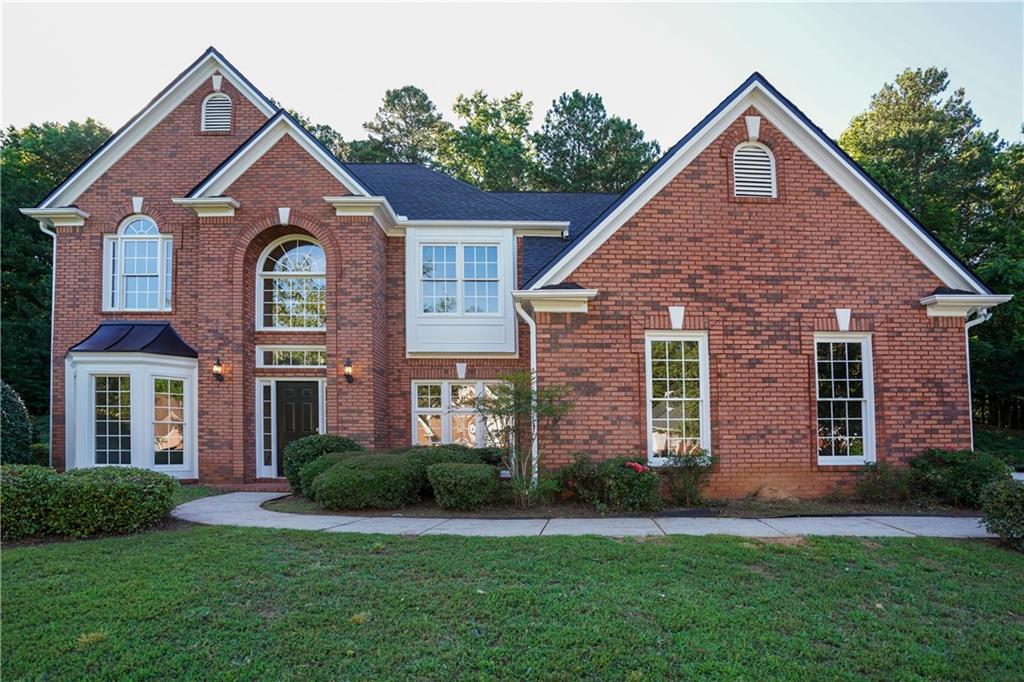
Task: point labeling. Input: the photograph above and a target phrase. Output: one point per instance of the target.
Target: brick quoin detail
(760, 276)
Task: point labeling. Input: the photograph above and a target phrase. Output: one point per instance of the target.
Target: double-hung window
(137, 267)
(678, 403)
(459, 279)
(445, 412)
(845, 399)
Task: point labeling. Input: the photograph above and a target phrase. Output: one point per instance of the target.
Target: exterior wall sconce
(348, 371)
(218, 370)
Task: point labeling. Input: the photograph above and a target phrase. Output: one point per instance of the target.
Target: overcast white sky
(663, 65)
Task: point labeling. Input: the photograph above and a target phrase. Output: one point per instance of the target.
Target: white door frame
(270, 471)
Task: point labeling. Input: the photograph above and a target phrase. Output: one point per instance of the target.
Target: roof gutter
(534, 436)
(53, 306)
(984, 315)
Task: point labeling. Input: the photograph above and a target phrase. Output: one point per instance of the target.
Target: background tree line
(921, 142)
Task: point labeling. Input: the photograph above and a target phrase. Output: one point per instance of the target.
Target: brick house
(223, 285)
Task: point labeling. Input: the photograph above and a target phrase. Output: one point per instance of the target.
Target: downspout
(983, 316)
(533, 386)
(49, 355)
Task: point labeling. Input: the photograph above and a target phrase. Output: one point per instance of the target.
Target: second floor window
(459, 279)
(137, 267)
(292, 285)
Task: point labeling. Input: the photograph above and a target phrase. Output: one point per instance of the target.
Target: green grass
(222, 603)
(1005, 443)
(187, 493)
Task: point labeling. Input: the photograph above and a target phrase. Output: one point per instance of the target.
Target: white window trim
(142, 368)
(460, 278)
(263, 471)
(771, 161)
(868, 413)
(231, 113)
(701, 338)
(446, 411)
(163, 276)
(260, 364)
(260, 276)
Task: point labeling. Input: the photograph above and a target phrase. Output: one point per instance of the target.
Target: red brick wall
(167, 163)
(761, 276)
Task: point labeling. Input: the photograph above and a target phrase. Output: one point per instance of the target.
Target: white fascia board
(960, 305)
(57, 217)
(556, 300)
(870, 198)
(377, 207)
(209, 207)
(145, 121)
(254, 149)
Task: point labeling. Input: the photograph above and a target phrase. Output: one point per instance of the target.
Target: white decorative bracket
(753, 127)
(217, 81)
(675, 313)
(843, 318)
(136, 204)
(460, 370)
(283, 214)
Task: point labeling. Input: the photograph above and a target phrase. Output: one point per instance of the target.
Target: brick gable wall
(761, 276)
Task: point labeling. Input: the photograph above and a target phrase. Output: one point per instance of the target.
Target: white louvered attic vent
(217, 112)
(753, 171)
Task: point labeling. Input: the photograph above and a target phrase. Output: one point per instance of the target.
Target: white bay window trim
(141, 370)
(115, 277)
(703, 398)
(867, 403)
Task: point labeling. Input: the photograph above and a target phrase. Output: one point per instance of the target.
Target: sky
(662, 65)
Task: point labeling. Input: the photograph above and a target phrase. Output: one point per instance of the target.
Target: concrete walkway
(243, 509)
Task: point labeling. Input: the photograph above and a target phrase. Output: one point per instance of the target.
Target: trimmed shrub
(26, 498)
(686, 474)
(956, 477)
(369, 480)
(426, 457)
(884, 482)
(582, 480)
(311, 470)
(630, 485)
(304, 450)
(1002, 509)
(15, 428)
(110, 500)
(40, 454)
(463, 486)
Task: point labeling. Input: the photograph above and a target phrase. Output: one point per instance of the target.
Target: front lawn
(224, 603)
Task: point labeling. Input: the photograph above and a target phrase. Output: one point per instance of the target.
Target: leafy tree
(407, 127)
(580, 148)
(491, 148)
(966, 186)
(930, 153)
(33, 160)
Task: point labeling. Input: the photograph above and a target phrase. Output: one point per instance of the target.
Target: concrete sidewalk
(243, 509)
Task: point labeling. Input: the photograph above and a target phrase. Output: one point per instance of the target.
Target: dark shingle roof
(131, 336)
(420, 193)
(579, 208)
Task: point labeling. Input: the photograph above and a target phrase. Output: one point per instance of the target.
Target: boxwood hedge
(463, 486)
(304, 450)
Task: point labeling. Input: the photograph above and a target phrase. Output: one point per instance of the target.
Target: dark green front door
(298, 414)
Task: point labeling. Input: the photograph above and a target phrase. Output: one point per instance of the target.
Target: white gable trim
(136, 129)
(947, 269)
(222, 178)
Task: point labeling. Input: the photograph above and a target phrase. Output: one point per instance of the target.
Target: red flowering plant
(630, 485)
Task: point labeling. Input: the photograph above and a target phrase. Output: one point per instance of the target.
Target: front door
(298, 414)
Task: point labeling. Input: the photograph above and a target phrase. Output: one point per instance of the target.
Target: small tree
(515, 412)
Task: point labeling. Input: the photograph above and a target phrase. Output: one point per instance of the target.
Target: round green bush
(463, 486)
(311, 470)
(426, 457)
(372, 480)
(630, 485)
(1002, 509)
(26, 499)
(304, 450)
(15, 427)
(956, 477)
(110, 500)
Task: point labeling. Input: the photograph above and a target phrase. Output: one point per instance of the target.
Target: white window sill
(292, 329)
(844, 461)
(137, 310)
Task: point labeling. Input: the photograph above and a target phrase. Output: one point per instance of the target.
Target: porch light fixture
(348, 371)
(218, 370)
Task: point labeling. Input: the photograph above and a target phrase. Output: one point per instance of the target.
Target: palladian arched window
(292, 284)
(137, 267)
